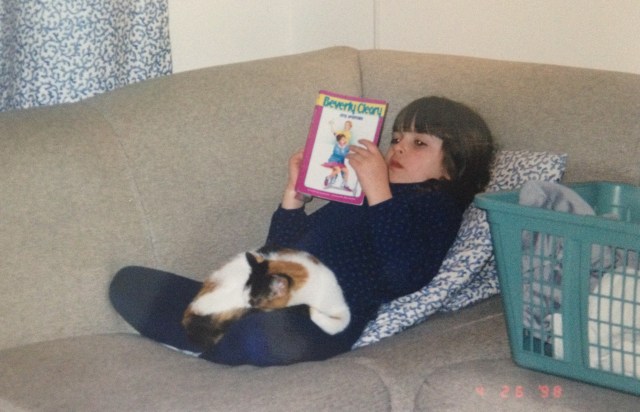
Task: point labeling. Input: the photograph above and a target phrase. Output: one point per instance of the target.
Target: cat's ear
(253, 260)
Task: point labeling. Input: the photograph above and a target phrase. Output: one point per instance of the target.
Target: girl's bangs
(420, 119)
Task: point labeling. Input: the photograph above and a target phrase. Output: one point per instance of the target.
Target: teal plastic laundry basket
(571, 283)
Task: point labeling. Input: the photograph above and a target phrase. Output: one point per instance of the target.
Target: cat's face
(268, 289)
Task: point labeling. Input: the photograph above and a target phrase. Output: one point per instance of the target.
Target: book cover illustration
(338, 122)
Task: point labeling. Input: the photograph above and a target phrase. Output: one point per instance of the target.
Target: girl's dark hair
(467, 142)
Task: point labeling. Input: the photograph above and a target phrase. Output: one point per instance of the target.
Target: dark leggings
(153, 302)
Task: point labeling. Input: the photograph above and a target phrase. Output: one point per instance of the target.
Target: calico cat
(265, 279)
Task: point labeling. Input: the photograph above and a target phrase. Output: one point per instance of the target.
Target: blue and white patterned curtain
(58, 51)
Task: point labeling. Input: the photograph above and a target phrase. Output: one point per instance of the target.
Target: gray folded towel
(553, 196)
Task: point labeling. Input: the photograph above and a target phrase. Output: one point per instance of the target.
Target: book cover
(338, 122)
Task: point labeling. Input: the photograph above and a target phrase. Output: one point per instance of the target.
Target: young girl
(392, 245)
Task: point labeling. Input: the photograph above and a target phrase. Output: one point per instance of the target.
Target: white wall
(600, 34)
(213, 32)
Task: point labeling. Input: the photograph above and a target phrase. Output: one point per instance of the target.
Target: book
(338, 122)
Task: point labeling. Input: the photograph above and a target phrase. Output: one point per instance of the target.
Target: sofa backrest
(178, 173)
(208, 149)
(592, 115)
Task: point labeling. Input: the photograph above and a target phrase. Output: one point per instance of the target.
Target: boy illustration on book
(336, 163)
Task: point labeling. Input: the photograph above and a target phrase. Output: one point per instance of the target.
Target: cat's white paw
(332, 324)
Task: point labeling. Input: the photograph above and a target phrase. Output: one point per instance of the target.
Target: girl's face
(415, 157)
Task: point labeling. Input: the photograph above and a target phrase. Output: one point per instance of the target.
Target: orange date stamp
(521, 392)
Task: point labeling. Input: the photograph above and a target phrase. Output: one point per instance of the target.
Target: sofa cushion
(69, 220)
(444, 363)
(405, 360)
(500, 385)
(468, 273)
(130, 373)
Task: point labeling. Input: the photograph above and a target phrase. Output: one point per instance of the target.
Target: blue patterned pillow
(468, 273)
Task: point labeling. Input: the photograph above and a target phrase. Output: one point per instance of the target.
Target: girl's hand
(290, 198)
(372, 171)
(294, 168)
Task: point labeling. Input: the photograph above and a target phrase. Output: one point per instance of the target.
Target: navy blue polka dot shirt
(378, 252)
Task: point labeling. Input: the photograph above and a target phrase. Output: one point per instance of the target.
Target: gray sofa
(182, 172)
